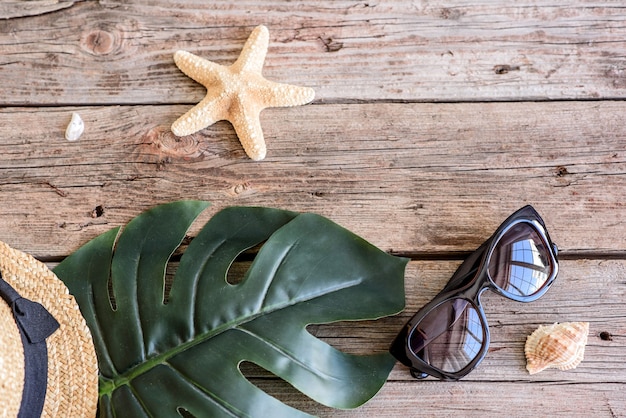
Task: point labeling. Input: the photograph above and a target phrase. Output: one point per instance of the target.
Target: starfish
(237, 93)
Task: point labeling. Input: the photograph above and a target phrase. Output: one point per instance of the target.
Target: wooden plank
(482, 399)
(396, 50)
(428, 181)
(18, 9)
(586, 290)
(412, 179)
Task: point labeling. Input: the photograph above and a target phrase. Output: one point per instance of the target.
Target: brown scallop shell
(560, 346)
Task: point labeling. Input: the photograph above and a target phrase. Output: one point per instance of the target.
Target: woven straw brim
(72, 365)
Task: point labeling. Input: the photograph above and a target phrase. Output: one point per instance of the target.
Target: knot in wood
(240, 188)
(100, 42)
(505, 69)
(164, 142)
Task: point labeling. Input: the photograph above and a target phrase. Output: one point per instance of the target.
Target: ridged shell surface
(560, 346)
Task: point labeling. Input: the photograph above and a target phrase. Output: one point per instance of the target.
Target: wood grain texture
(24, 8)
(411, 178)
(480, 399)
(500, 384)
(120, 52)
(511, 322)
(432, 122)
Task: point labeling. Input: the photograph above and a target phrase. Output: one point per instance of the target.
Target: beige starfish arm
(210, 110)
(199, 69)
(247, 125)
(253, 53)
(285, 95)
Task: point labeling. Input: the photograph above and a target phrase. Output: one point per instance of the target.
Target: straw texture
(11, 353)
(72, 365)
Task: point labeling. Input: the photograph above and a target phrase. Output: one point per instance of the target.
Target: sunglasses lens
(449, 337)
(521, 264)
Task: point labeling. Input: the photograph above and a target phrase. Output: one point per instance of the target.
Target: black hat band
(35, 324)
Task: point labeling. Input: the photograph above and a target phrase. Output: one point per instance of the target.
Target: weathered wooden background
(433, 121)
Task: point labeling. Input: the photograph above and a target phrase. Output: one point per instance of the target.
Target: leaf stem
(107, 385)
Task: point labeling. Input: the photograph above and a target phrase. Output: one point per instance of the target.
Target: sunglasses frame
(469, 282)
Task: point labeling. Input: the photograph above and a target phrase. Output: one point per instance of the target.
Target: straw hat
(72, 375)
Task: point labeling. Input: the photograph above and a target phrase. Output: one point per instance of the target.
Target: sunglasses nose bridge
(477, 288)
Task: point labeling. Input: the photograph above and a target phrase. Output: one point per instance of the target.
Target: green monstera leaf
(180, 355)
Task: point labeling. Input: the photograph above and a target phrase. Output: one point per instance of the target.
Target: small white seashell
(561, 346)
(75, 128)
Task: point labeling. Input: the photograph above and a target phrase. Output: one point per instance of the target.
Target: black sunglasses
(449, 336)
